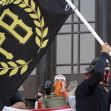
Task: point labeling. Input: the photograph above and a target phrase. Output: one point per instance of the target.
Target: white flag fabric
(69, 109)
(12, 109)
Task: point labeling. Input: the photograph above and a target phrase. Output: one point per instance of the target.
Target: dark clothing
(12, 100)
(17, 98)
(90, 94)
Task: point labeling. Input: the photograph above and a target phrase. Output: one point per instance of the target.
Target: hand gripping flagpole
(86, 23)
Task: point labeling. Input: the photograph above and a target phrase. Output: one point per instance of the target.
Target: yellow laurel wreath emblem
(35, 14)
(13, 66)
(40, 39)
(6, 2)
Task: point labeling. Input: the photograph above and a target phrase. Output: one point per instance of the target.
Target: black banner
(27, 28)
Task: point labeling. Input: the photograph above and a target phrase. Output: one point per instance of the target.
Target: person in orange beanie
(60, 85)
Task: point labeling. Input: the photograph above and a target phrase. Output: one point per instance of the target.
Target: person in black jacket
(15, 101)
(92, 93)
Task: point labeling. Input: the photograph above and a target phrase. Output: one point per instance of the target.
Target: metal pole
(85, 22)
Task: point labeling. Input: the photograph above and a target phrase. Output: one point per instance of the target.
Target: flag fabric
(27, 28)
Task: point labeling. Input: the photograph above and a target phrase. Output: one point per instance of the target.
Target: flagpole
(85, 22)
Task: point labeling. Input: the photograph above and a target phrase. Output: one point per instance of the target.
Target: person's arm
(19, 105)
(18, 101)
(63, 90)
(98, 72)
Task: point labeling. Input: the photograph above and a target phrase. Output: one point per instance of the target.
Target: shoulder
(17, 97)
(82, 85)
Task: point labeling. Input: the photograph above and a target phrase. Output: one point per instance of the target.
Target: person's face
(60, 80)
(107, 76)
(87, 75)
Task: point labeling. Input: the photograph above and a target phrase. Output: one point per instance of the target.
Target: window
(75, 43)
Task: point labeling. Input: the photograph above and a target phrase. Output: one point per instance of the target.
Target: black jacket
(90, 95)
(17, 97)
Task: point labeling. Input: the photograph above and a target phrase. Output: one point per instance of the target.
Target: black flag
(27, 28)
